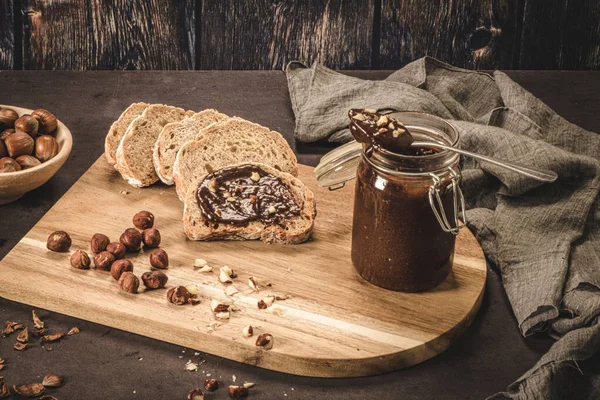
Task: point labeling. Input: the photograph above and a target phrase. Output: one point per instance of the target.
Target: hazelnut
(99, 243)
(159, 259)
(7, 164)
(211, 385)
(59, 241)
(52, 380)
(47, 120)
(119, 266)
(19, 143)
(196, 394)
(218, 307)
(129, 283)
(199, 263)
(26, 161)
(28, 124)
(154, 279)
(46, 147)
(248, 331)
(179, 295)
(143, 220)
(3, 151)
(131, 239)
(104, 260)
(238, 392)
(80, 260)
(6, 133)
(117, 249)
(265, 340)
(8, 116)
(151, 237)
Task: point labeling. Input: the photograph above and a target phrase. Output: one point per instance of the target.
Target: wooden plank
(560, 34)
(470, 34)
(262, 34)
(334, 325)
(7, 37)
(108, 34)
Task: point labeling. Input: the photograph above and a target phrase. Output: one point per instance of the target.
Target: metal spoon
(538, 174)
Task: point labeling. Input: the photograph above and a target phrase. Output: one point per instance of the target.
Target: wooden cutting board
(334, 325)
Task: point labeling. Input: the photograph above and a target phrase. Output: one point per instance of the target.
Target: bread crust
(299, 228)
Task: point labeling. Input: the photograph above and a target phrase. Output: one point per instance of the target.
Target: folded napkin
(544, 238)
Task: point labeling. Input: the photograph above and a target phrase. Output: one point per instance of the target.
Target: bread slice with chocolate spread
(231, 142)
(294, 227)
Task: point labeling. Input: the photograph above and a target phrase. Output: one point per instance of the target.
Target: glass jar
(406, 209)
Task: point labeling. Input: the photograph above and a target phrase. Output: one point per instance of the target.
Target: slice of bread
(174, 135)
(231, 142)
(293, 230)
(134, 154)
(118, 128)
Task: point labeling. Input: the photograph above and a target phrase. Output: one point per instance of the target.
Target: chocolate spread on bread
(383, 132)
(239, 195)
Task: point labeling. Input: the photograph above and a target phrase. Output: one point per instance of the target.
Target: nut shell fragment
(238, 392)
(52, 380)
(211, 385)
(265, 341)
(31, 390)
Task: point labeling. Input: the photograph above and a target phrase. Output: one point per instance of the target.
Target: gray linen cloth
(544, 238)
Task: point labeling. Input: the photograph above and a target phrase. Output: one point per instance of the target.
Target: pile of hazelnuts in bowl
(26, 141)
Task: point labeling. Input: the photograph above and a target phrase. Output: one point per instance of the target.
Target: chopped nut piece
(262, 305)
(11, 327)
(191, 366)
(199, 263)
(48, 347)
(53, 380)
(269, 300)
(73, 331)
(231, 290)
(398, 132)
(248, 385)
(271, 210)
(217, 306)
(253, 283)
(255, 176)
(212, 185)
(229, 271)
(20, 346)
(23, 336)
(52, 338)
(382, 130)
(370, 110)
(180, 295)
(382, 121)
(359, 117)
(4, 392)
(31, 390)
(222, 315)
(211, 385)
(391, 125)
(238, 392)
(196, 394)
(206, 268)
(193, 289)
(231, 199)
(248, 331)
(224, 277)
(265, 341)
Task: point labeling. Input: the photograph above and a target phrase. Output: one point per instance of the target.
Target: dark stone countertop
(102, 362)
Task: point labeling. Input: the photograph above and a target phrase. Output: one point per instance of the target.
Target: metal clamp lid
(339, 165)
(435, 201)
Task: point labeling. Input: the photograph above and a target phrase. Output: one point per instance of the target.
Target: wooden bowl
(13, 185)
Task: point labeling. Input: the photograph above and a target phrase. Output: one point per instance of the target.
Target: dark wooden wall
(266, 34)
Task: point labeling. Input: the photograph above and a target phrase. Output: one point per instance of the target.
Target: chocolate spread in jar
(239, 195)
(397, 242)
